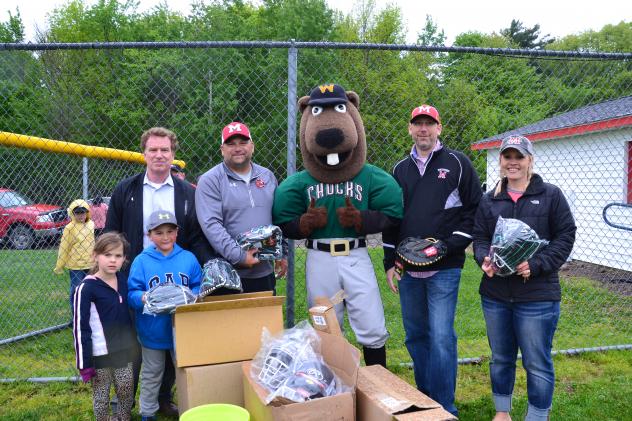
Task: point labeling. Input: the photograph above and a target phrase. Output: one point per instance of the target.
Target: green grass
(590, 315)
(589, 386)
(32, 297)
(594, 385)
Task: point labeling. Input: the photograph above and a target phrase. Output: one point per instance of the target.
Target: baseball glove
(164, 298)
(418, 252)
(267, 238)
(218, 273)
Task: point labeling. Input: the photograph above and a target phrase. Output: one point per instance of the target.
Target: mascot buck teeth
(334, 203)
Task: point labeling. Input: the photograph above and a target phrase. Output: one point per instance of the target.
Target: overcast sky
(556, 17)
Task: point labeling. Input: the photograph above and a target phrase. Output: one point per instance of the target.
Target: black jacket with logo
(544, 208)
(440, 204)
(125, 215)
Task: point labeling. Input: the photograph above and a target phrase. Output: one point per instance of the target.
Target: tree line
(108, 97)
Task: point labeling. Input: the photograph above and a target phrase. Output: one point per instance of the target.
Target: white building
(587, 152)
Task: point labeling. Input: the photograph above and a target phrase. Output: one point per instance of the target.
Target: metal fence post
(292, 65)
(85, 178)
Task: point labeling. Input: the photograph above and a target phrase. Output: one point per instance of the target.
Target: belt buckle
(334, 243)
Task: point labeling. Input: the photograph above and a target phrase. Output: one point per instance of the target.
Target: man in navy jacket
(135, 198)
(441, 192)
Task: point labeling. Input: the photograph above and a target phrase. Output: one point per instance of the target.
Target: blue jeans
(428, 307)
(530, 327)
(76, 276)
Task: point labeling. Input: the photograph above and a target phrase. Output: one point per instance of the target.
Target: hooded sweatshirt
(101, 322)
(77, 241)
(149, 269)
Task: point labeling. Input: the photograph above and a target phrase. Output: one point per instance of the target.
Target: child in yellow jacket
(77, 243)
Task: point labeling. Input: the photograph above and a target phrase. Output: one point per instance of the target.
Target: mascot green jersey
(371, 188)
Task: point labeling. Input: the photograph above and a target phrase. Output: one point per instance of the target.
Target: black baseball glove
(419, 252)
(164, 298)
(267, 238)
(218, 273)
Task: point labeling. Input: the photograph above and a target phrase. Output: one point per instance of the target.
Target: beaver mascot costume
(334, 203)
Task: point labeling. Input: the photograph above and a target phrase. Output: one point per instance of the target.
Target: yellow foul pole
(60, 146)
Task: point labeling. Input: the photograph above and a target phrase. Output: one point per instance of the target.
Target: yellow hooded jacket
(77, 242)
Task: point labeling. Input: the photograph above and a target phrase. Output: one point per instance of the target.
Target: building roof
(590, 118)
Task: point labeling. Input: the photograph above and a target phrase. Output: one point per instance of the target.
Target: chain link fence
(106, 95)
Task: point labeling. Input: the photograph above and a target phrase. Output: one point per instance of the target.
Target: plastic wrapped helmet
(312, 379)
(281, 361)
(513, 242)
(277, 364)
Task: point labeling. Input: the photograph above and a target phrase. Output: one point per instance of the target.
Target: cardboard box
(214, 298)
(217, 383)
(224, 328)
(323, 313)
(323, 316)
(382, 396)
(342, 357)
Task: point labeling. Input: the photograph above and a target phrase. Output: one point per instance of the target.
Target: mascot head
(333, 143)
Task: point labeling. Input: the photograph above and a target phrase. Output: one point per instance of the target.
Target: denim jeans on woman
(529, 327)
(428, 307)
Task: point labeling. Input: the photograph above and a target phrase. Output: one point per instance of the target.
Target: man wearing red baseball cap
(441, 194)
(237, 147)
(427, 110)
(233, 197)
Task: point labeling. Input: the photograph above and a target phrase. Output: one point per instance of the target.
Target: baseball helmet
(281, 361)
(312, 379)
(513, 243)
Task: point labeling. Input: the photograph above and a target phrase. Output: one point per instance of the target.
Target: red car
(24, 223)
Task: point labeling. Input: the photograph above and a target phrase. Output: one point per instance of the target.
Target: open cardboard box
(323, 313)
(342, 357)
(224, 328)
(382, 396)
(203, 384)
(215, 298)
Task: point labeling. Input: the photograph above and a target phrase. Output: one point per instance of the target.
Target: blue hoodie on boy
(149, 269)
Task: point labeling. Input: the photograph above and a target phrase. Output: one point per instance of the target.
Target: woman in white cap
(522, 310)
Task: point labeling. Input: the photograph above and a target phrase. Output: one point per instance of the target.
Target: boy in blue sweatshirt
(162, 262)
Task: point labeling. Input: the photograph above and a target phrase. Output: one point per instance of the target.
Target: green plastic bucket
(216, 412)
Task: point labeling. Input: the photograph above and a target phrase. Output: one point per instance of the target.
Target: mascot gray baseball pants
(326, 274)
